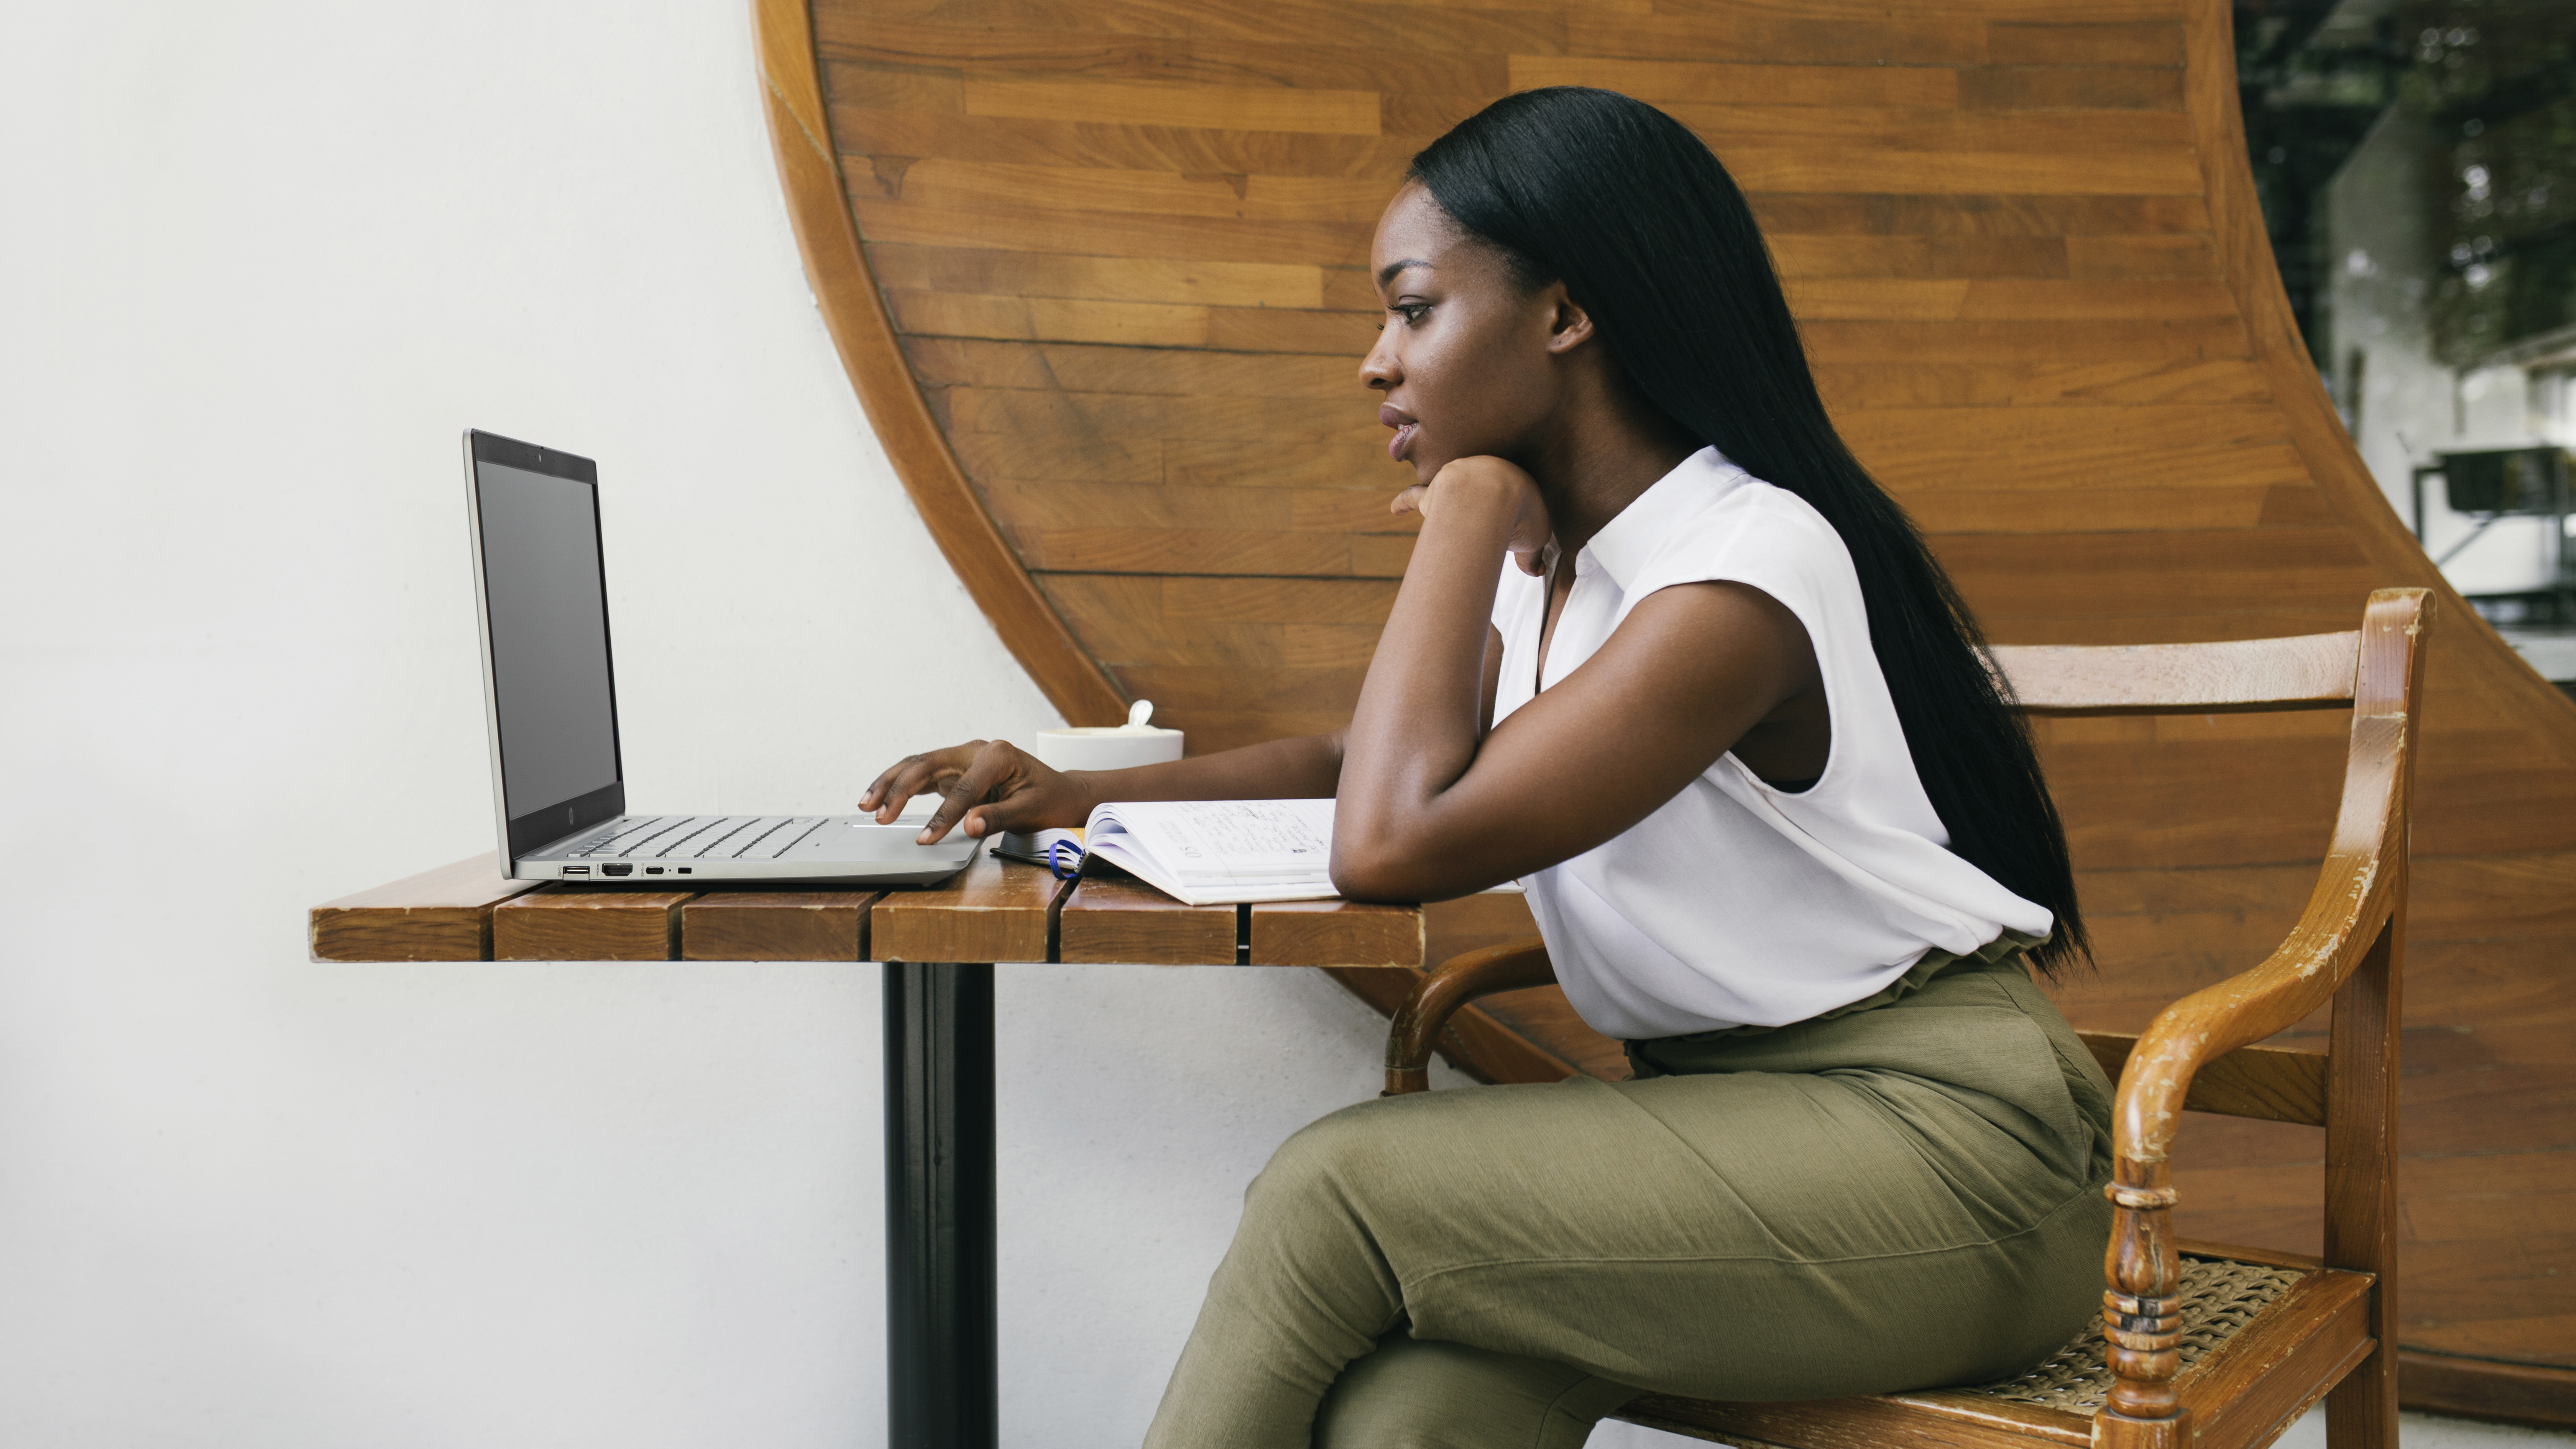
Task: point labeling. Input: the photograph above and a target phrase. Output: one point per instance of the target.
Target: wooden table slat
(993, 910)
(589, 925)
(806, 925)
(1336, 933)
(437, 915)
(1116, 919)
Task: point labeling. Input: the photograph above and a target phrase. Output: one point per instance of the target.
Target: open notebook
(1219, 852)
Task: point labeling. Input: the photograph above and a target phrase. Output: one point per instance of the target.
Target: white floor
(2418, 1431)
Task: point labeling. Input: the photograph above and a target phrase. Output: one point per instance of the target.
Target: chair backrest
(2306, 671)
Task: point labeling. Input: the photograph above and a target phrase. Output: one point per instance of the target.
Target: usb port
(576, 870)
(684, 870)
(652, 870)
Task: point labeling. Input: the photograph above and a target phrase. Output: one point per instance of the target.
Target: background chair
(2200, 1344)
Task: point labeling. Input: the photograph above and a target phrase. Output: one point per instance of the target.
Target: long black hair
(1649, 235)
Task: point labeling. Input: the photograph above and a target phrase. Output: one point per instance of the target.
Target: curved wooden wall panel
(1117, 253)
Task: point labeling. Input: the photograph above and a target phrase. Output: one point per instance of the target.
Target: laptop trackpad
(856, 837)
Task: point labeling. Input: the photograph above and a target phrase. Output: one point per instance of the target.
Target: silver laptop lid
(549, 693)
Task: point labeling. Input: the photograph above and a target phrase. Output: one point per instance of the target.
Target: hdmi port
(617, 867)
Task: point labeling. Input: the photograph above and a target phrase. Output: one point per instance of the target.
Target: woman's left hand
(1492, 483)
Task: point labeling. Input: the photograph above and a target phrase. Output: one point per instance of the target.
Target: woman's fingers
(1411, 500)
(996, 764)
(914, 775)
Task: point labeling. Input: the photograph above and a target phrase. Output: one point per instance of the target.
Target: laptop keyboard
(699, 837)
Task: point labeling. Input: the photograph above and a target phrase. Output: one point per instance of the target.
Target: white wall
(263, 261)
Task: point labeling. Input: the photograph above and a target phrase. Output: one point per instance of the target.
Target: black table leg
(942, 1384)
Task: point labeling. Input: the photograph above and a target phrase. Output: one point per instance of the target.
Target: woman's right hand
(992, 785)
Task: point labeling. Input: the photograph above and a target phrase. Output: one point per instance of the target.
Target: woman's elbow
(1366, 871)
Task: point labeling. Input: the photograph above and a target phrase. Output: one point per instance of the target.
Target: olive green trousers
(1897, 1196)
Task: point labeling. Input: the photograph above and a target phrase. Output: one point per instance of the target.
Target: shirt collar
(1627, 542)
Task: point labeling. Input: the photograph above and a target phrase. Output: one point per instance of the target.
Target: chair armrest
(1512, 966)
(2355, 912)
(2356, 894)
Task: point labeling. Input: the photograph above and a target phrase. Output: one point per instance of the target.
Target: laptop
(550, 703)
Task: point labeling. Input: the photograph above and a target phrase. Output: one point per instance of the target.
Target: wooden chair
(2202, 1346)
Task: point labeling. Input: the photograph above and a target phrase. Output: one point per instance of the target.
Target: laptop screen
(545, 613)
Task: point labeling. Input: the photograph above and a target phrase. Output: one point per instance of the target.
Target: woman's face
(1465, 359)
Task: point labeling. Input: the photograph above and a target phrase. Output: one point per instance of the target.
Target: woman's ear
(1569, 326)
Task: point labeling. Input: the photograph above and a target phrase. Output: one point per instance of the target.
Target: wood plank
(789, 925)
(1221, 688)
(2005, 212)
(2187, 340)
(1171, 551)
(1786, 40)
(2437, 1383)
(437, 915)
(1335, 933)
(2270, 1083)
(1783, 167)
(984, 271)
(1500, 28)
(1170, 372)
(2250, 1388)
(1892, 1421)
(2053, 42)
(1041, 229)
(2122, 258)
(2071, 427)
(940, 181)
(2069, 87)
(2010, 298)
(2309, 671)
(843, 33)
(1339, 335)
(1660, 81)
(1349, 421)
(1109, 918)
(588, 925)
(1893, 258)
(993, 910)
(1047, 319)
(861, 130)
(2044, 510)
(1944, 139)
(2037, 384)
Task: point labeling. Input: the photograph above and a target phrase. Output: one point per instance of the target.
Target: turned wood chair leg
(2142, 1317)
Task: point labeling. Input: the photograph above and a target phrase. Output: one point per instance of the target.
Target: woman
(1726, 720)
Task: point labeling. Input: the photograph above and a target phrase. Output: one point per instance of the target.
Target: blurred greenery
(2492, 83)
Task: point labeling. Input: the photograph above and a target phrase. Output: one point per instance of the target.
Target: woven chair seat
(2055, 1402)
(2219, 1297)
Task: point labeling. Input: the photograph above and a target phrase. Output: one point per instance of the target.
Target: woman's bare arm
(1433, 806)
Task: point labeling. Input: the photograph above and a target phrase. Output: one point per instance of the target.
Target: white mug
(1109, 747)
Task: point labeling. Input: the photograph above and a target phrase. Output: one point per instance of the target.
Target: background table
(938, 945)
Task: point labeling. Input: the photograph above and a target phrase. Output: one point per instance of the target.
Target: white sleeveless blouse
(1736, 904)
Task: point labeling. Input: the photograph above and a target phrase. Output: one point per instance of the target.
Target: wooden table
(938, 945)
